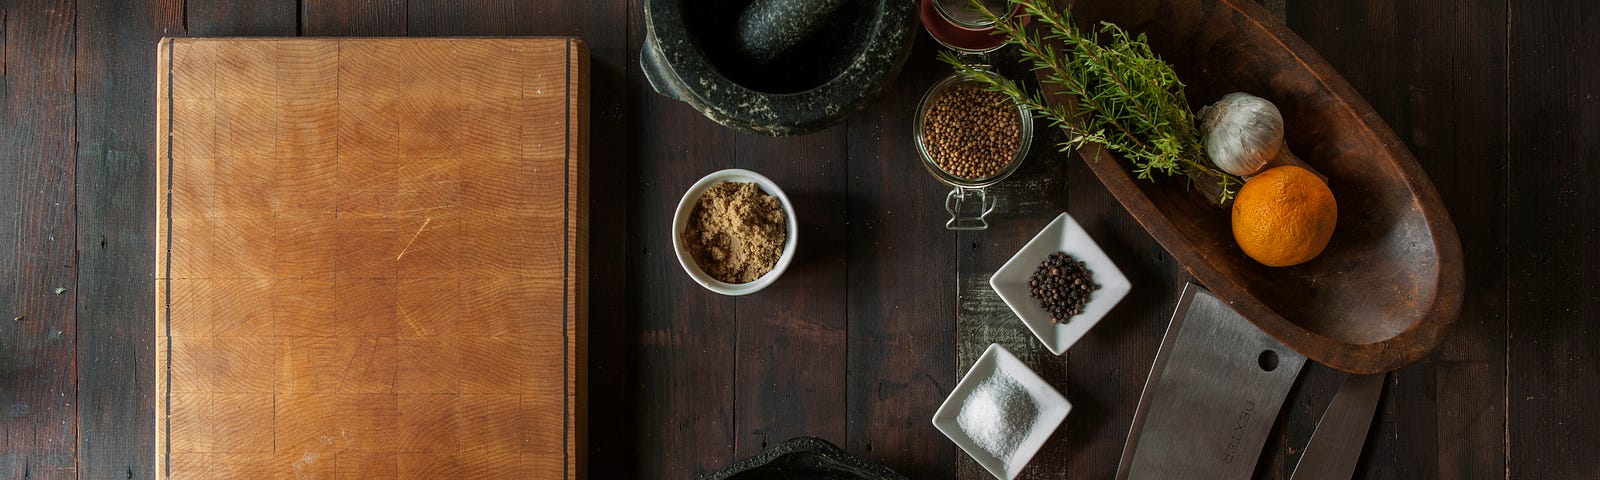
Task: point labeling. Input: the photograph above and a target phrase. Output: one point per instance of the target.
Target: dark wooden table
(871, 327)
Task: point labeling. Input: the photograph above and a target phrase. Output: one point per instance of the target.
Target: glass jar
(969, 202)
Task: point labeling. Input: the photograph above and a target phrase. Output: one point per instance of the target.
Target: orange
(1284, 216)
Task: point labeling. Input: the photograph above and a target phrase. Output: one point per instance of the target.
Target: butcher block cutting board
(371, 258)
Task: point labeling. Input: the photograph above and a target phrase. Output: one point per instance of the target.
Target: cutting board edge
(163, 133)
(578, 259)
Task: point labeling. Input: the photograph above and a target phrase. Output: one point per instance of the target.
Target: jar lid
(947, 32)
(961, 13)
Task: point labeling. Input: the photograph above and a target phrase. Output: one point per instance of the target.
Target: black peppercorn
(1062, 285)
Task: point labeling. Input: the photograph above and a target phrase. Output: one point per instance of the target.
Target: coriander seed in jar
(970, 138)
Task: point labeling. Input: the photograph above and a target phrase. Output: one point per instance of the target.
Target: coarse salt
(998, 415)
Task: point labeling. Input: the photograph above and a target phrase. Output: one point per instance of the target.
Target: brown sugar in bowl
(686, 207)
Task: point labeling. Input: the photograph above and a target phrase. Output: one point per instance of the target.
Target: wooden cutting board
(371, 258)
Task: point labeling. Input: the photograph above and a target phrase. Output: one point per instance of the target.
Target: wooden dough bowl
(1389, 284)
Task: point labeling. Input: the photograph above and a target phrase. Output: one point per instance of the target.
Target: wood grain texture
(1553, 269)
(255, 18)
(38, 273)
(357, 18)
(357, 275)
(576, 272)
(902, 285)
(604, 30)
(116, 233)
(602, 27)
(476, 17)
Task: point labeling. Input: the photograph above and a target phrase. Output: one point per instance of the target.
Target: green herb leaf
(1129, 101)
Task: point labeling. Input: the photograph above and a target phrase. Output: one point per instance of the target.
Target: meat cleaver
(1213, 394)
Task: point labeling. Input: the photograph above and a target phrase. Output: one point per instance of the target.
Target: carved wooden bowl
(1390, 282)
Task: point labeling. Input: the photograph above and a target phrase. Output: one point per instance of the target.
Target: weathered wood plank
(255, 18)
(480, 17)
(38, 269)
(1553, 267)
(116, 61)
(353, 18)
(901, 285)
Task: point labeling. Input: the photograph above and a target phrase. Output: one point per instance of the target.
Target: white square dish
(1062, 235)
(1050, 408)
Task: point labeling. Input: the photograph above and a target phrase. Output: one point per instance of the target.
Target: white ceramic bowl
(680, 222)
(1052, 409)
(1062, 235)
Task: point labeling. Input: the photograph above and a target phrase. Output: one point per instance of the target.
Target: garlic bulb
(1242, 132)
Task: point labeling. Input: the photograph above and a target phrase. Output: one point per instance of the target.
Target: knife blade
(1213, 394)
(1336, 444)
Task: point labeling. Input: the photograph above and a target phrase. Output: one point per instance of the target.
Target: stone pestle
(825, 59)
(769, 30)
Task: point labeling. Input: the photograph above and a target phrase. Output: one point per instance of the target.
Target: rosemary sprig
(1129, 101)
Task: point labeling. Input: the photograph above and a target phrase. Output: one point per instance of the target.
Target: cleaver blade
(1212, 397)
